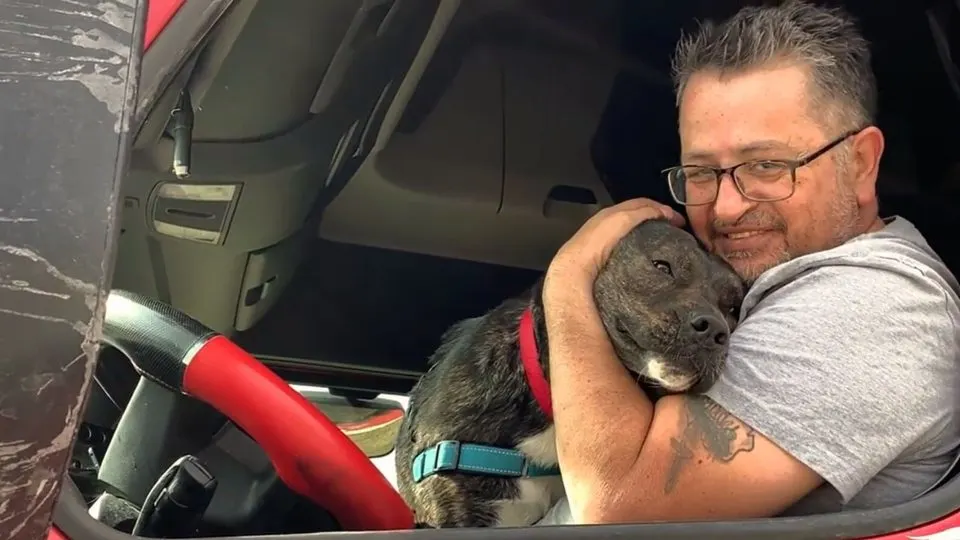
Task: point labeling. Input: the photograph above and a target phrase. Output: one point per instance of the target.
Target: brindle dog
(668, 307)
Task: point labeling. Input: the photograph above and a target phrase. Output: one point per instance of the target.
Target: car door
(69, 77)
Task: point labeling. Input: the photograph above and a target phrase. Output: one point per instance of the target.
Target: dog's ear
(536, 293)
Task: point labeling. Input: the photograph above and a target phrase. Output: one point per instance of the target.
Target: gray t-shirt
(847, 359)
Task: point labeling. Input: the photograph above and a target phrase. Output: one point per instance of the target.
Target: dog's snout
(710, 330)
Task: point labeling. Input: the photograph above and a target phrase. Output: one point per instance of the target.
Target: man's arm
(837, 374)
(704, 431)
(625, 460)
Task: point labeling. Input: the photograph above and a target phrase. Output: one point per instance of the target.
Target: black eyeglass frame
(790, 164)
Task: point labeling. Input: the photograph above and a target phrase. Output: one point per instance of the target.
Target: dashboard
(248, 498)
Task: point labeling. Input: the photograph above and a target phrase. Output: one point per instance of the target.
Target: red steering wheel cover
(309, 452)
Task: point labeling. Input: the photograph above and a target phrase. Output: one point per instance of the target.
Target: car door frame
(69, 85)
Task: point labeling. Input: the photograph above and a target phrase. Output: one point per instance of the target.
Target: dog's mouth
(681, 369)
(657, 370)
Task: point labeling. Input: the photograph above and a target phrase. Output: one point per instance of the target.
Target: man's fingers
(625, 220)
(640, 204)
(675, 217)
(633, 204)
(585, 252)
(644, 213)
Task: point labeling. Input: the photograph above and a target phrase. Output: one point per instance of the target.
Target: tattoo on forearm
(705, 424)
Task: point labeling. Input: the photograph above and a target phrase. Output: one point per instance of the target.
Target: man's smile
(742, 240)
(739, 235)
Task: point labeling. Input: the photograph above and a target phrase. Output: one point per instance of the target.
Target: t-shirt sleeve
(845, 368)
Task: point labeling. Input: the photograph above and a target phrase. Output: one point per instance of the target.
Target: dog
(477, 446)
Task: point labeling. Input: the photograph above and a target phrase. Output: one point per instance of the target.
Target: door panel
(277, 140)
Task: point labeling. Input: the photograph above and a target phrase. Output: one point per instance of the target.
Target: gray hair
(825, 40)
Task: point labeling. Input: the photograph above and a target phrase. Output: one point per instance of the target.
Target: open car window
(76, 87)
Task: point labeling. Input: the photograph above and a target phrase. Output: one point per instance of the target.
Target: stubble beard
(750, 270)
(845, 220)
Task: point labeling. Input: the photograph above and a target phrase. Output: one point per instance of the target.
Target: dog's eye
(734, 312)
(664, 267)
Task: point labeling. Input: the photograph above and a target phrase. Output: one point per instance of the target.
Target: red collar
(531, 364)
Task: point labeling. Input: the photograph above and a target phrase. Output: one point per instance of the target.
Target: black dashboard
(115, 469)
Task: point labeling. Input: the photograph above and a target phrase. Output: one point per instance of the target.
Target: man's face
(764, 114)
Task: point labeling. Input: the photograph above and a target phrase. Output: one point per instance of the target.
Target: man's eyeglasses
(759, 180)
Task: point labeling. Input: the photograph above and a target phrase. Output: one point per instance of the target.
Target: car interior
(357, 175)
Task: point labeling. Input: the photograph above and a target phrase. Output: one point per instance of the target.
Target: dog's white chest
(537, 495)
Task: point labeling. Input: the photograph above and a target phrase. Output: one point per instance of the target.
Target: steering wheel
(309, 453)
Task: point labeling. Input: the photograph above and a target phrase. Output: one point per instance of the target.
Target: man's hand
(579, 260)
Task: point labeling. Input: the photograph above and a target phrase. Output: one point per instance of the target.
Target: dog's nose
(710, 330)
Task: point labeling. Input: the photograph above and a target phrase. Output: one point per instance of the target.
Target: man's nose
(730, 204)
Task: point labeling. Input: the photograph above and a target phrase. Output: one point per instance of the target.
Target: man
(841, 385)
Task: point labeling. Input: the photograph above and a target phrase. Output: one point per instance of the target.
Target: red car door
(159, 14)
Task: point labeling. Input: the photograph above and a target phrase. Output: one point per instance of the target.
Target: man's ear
(867, 148)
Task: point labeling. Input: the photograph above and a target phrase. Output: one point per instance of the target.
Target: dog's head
(669, 307)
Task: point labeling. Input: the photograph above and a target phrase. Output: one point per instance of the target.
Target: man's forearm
(601, 416)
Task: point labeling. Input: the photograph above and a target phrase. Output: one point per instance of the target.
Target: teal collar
(478, 459)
